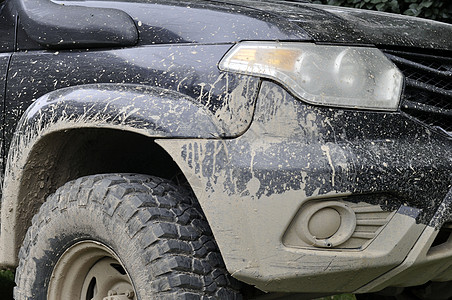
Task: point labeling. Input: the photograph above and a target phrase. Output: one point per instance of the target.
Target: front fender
(149, 111)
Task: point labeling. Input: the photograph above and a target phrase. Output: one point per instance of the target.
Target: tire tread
(175, 236)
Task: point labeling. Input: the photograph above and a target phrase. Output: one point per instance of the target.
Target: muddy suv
(224, 149)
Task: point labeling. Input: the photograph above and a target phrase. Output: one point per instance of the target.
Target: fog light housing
(326, 224)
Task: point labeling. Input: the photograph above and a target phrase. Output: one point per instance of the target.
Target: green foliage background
(440, 10)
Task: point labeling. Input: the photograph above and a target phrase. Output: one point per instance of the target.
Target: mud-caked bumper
(379, 180)
(429, 259)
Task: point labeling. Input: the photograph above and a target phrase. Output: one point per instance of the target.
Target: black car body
(93, 87)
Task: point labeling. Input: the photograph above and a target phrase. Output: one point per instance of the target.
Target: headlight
(353, 77)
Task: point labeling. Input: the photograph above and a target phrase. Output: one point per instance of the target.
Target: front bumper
(429, 259)
(252, 189)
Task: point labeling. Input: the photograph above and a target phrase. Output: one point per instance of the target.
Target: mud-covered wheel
(123, 236)
(89, 270)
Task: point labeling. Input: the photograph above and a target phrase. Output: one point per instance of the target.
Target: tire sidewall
(73, 224)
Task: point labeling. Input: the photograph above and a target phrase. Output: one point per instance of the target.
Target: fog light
(325, 224)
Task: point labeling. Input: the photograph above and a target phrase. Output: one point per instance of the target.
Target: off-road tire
(155, 228)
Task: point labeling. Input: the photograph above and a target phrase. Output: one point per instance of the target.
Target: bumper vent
(443, 237)
(428, 87)
(370, 220)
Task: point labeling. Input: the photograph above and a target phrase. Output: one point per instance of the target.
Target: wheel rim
(89, 270)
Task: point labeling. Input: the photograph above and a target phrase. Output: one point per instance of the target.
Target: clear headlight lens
(342, 76)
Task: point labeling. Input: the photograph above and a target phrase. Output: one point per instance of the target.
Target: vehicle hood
(332, 24)
(230, 21)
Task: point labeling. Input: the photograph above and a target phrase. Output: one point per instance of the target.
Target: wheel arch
(89, 130)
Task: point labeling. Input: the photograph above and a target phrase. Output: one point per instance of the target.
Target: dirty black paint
(237, 20)
(331, 24)
(408, 211)
(190, 70)
(4, 60)
(169, 22)
(60, 26)
(7, 27)
(444, 213)
(159, 111)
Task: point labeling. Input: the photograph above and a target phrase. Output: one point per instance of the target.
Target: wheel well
(66, 155)
(63, 156)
